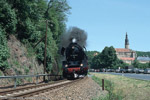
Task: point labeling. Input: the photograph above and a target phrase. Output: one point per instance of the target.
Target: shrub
(26, 69)
(4, 52)
(7, 17)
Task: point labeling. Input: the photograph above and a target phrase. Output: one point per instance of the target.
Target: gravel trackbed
(83, 90)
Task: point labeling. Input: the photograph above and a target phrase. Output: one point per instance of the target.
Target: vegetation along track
(34, 90)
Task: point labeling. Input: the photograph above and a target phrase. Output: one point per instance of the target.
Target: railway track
(25, 92)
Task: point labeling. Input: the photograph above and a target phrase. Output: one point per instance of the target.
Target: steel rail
(42, 90)
(2, 93)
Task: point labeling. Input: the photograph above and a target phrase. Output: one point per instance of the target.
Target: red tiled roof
(122, 50)
(127, 58)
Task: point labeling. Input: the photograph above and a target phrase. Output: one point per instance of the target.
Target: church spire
(126, 42)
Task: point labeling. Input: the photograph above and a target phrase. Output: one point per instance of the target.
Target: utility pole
(45, 53)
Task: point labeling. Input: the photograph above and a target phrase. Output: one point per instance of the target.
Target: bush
(26, 29)
(18, 81)
(29, 79)
(7, 17)
(26, 19)
(4, 52)
(26, 69)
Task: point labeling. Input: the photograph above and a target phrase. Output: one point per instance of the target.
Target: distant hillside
(141, 53)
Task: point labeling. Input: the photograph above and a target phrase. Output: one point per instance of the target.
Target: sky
(107, 21)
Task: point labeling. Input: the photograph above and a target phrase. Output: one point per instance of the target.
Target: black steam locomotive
(75, 63)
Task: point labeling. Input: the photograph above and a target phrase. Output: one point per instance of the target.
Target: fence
(36, 76)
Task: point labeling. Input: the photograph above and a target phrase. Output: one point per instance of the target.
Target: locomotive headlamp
(81, 64)
(74, 40)
(66, 65)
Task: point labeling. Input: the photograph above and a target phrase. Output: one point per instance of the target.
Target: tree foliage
(4, 53)
(137, 64)
(7, 17)
(145, 54)
(106, 59)
(91, 55)
(27, 20)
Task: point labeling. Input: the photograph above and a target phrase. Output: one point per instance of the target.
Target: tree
(56, 13)
(91, 55)
(8, 19)
(120, 63)
(4, 53)
(136, 64)
(26, 19)
(149, 64)
(106, 59)
(141, 53)
(96, 62)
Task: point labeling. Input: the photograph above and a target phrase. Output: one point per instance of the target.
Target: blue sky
(107, 21)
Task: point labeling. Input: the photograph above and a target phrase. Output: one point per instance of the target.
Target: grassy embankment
(123, 88)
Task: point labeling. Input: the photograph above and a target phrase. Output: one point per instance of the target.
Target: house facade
(143, 59)
(126, 54)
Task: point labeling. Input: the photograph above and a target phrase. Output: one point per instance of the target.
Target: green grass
(18, 72)
(109, 86)
(16, 63)
(26, 69)
(30, 50)
(125, 88)
(18, 81)
(29, 79)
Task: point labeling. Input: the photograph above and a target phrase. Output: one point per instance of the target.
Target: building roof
(143, 58)
(127, 58)
(123, 50)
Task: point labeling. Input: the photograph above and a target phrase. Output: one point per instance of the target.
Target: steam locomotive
(75, 63)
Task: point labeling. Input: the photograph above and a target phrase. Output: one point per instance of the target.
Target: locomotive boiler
(75, 63)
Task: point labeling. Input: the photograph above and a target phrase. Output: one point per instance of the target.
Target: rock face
(20, 61)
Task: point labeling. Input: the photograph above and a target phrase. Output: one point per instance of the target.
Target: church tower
(126, 42)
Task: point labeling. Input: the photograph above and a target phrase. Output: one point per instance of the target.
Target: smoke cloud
(74, 32)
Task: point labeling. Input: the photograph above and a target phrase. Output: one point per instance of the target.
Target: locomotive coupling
(81, 69)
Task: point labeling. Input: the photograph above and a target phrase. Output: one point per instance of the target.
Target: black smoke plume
(74, 32)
